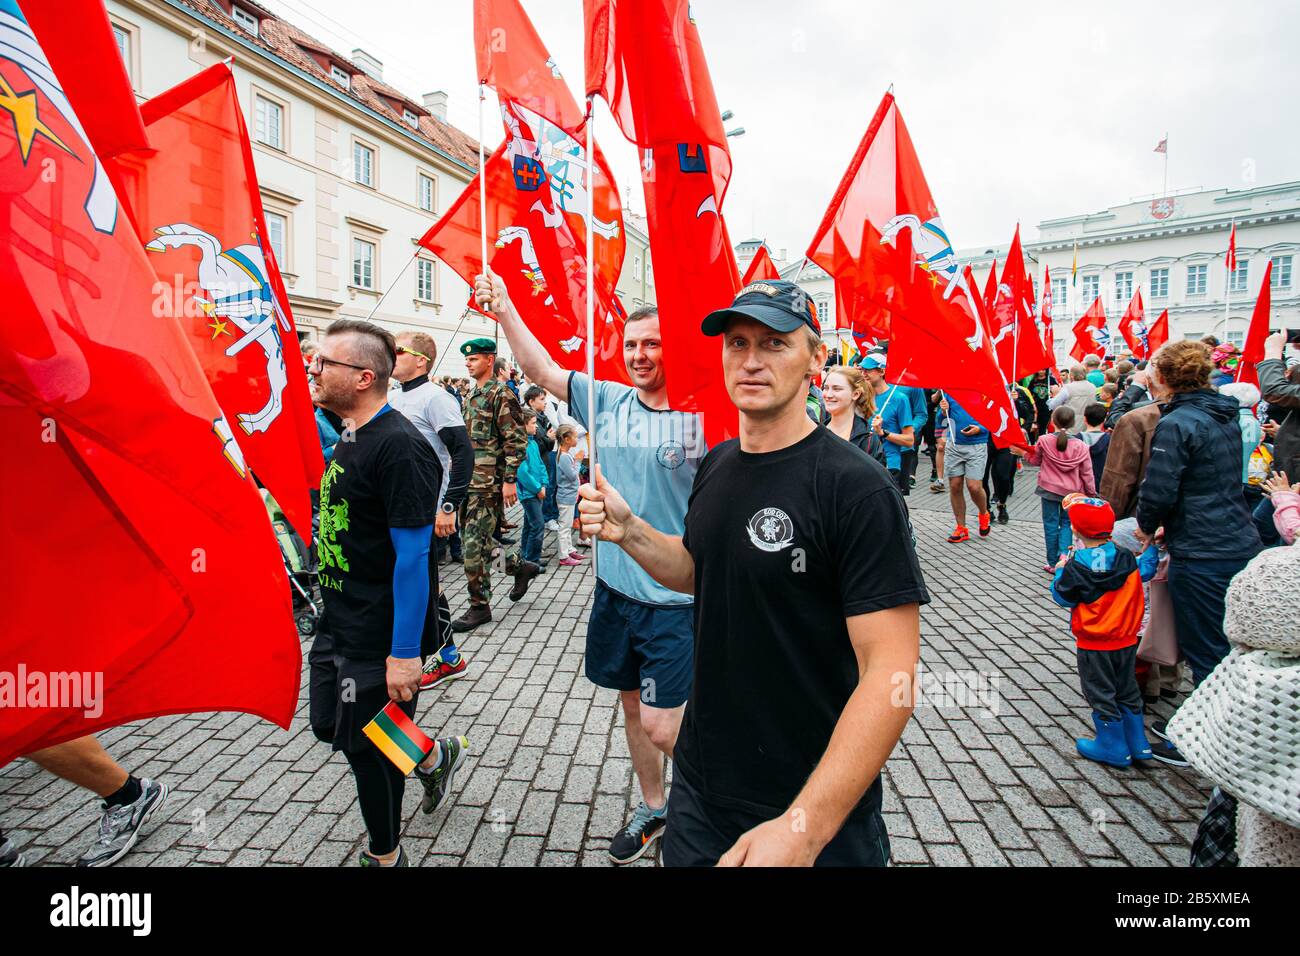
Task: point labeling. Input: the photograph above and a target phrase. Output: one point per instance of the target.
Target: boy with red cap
(1102, 583)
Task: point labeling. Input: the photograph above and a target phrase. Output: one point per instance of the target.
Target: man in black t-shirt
(378, 503)
(807, 613)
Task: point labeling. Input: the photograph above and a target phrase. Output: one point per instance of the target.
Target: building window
(244, 19)
(123, 44)
(268, 122)
(363, 164)
(1281, 273)
(1059, 295)
(1237, 278)
(426, 189)
(277, 230)
(411, 118)
(1196, 279)
(363, 264)
(1237, 338)
(1193, 336)
(824, 314)
(424, 280)
(636, 268)
(648, 276)
(1159, 283)
(1123, 287)
(341, 76)
(1091, 289)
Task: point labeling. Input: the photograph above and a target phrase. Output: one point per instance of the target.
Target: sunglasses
(402, 349)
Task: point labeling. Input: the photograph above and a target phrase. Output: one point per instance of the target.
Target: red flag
(1158, 334)
(1231, 260)
(197, 208)
(761, 267)
(127, 506)
(884, 243)
(646, 60)
(1252, 353)
(536, 202)
(991, 288)
(513, 61)
(1091, 337)
(1015, 335)
(1049, 346)
(1133, 327)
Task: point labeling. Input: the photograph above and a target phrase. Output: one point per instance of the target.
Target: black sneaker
(437, 783)
(1160, 729)
(1167, 753)
(368, 860)
(120, 826)
(642, 830)
(1003, 517)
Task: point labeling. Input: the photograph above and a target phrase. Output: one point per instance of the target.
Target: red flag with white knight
(991, 287)
(1252, 352)
(1049, 345)
(884, 243)
(760, 267)
(1134, 328)
(536, 187)
(646, 60)
(1091, 337)
(195, 202)
(130, 505)
(1015, 333)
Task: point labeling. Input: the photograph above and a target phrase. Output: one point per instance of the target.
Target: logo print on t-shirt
(771, 530)
(671, 454)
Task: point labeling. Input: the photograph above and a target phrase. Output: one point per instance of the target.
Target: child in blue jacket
(532, 491)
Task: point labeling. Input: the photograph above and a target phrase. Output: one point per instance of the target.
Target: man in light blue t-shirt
(893, 419)
(640, 638)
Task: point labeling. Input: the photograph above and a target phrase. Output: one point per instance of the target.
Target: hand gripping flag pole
(591, 311)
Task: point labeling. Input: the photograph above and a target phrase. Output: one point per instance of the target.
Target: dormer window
(411, 118)
(245, 20)
(341, 76)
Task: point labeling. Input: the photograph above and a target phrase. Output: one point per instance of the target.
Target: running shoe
(961, 534)
(985, 524)
(1003, 517)
(570, 562)
(936, 487)
(368, 860)
(632, 842)
(1168, 754)
(577, 556)
(437, 671)
(438, 782)
(552, 525)
(120, 826)
(1160, 728)
(9, 855)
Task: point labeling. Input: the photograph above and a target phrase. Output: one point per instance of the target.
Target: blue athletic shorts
(641, 647)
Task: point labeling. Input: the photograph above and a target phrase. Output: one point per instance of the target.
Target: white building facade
(1174, 250)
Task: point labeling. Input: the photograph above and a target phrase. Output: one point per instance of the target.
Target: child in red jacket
(1102, 583)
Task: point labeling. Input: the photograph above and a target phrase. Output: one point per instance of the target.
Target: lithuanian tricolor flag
(398, 738)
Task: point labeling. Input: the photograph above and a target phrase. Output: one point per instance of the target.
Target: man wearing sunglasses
(438, 417)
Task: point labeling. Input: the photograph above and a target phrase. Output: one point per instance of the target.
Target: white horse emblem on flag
(236, 281)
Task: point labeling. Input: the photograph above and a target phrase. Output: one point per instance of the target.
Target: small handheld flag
(398, 738)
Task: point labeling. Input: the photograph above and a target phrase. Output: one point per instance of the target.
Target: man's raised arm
(490, 294)
(604, 513)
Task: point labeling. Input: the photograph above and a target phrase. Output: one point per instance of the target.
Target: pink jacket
(1286, 515)
(1063, 472)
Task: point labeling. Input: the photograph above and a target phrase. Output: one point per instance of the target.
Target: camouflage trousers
(478, 519)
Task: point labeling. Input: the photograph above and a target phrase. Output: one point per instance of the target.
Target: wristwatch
(448, 508)
(884, 435)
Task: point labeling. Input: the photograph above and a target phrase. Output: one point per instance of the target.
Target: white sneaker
(552, 525)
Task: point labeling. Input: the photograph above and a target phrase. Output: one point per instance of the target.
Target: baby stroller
(299, 566)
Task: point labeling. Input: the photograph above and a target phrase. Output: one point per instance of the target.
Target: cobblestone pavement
(991, 779)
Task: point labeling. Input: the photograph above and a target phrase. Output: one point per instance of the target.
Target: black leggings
(1001, 466)
(380, 786)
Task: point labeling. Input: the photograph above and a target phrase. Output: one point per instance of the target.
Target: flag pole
(1227, 285)
(591, 310)
(1164, 189)
(482, 198)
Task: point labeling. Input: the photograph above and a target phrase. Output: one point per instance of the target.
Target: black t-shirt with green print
(384, 475)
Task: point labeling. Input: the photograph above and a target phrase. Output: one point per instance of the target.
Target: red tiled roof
(286, 41)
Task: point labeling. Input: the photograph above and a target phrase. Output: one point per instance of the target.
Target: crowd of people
(750, 636)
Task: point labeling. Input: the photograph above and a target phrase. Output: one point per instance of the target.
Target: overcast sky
(1020, 111)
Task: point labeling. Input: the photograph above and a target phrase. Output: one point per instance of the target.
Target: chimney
(369, 65)
(436, 103)
(782, 256)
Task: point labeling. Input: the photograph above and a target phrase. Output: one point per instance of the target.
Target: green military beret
(482, 346)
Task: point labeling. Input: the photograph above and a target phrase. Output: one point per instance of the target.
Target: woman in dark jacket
(1192, 489)
(851, 404)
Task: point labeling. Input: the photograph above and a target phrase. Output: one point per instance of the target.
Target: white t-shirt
(430, 408)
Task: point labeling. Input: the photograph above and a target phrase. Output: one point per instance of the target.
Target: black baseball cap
(777, 304)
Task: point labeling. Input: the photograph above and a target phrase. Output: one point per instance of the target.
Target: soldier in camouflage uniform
(496, 429)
